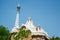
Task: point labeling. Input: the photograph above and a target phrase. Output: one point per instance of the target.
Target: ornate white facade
(35, 30)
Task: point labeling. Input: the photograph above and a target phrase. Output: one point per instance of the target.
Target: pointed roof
(29, 23)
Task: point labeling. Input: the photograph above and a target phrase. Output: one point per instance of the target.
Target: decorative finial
(18, 6)
(38, 27)
(29, 19)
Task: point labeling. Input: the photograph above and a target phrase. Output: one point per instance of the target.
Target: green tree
(22, 34)
(4, 33)
(28, 32)
(55, 38)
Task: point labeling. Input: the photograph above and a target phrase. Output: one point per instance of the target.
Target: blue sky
(43, 12)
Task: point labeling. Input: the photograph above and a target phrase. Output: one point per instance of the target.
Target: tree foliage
(22, 34)
(55, 38)
(4, 33)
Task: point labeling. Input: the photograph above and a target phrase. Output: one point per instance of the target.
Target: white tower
(17, 16)
(15, 29)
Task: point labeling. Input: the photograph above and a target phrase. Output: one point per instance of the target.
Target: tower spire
(16, 26)
(17, 16)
